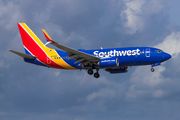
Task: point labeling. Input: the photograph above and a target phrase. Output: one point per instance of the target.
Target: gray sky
(31, 92)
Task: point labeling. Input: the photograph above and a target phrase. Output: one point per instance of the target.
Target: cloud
(10, 13)
(146, 83)
(133, 16)
(171, 44)
(43, 18)
(137, 12)
(155, 6)
(33, 92)
(103, 93)
(158, 94)
(146, 77)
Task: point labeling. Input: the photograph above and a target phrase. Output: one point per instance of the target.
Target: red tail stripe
(35, 49)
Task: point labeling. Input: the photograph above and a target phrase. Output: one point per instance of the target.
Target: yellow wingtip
(46, 34)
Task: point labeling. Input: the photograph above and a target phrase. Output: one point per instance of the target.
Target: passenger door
(147, 53)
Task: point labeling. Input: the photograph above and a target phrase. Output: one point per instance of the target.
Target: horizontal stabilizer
(23, 55)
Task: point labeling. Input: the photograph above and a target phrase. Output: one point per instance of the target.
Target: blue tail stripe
(27, 52)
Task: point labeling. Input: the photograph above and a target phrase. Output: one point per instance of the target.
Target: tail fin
(33, 46)
(31, 42)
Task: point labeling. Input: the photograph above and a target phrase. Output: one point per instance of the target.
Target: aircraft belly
(133, 61)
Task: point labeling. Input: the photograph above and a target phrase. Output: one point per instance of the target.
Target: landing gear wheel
(152, 69)
(90, 71)
(96, 75)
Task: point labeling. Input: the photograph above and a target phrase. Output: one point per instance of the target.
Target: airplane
(113, 60)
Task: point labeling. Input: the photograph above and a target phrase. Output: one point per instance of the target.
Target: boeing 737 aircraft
(114, 60)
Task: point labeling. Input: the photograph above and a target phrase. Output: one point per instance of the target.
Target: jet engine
(108, 63)
(119, 70)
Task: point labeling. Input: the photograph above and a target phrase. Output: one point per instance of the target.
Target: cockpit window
(158, 51)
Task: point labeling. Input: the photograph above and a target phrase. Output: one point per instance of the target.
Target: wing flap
(23, 54)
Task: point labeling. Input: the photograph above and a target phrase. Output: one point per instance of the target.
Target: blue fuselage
(129, 56)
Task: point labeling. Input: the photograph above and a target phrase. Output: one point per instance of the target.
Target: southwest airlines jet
(113, 60)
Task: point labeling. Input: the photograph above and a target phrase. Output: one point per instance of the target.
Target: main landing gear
(90, 71)
(96, 74)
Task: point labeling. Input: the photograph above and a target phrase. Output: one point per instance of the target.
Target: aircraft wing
(72, 53)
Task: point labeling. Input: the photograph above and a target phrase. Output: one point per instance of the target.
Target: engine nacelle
(120, 70)
(108, 63)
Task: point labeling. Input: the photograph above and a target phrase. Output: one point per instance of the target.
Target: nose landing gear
(155, 64)
(152, 69)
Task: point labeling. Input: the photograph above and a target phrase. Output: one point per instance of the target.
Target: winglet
(47, 36)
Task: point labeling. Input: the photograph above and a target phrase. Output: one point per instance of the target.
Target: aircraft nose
(167, 56)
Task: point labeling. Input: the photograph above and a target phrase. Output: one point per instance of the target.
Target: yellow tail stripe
(49, 52)
(46, 34)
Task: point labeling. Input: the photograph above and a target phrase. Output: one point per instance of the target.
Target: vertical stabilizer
(31, 42)
(34, 46)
